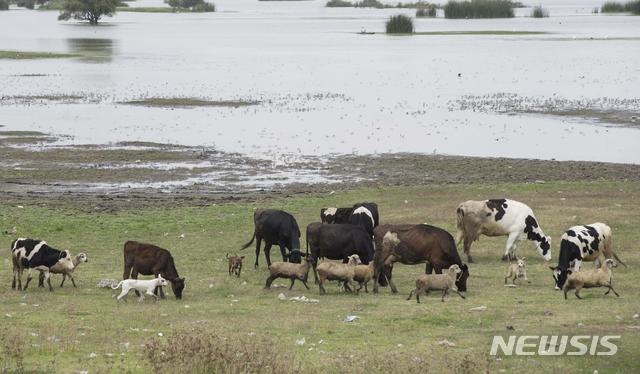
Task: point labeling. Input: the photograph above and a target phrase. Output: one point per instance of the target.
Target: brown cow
(417, 244)
(148, 259)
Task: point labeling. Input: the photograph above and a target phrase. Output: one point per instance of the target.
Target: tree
(87, 10)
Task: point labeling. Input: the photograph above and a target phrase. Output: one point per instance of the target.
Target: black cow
(582, 243)
(276, 227)
(337, 242)
(365, 215)
(34, 254)
(335, 215)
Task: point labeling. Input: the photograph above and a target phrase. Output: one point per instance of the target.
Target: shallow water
(324, 88)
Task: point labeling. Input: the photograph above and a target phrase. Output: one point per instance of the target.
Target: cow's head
(390, 241)
(461, 281)
(559, 276)
(294, 256)
(544, 248)
(177, 285)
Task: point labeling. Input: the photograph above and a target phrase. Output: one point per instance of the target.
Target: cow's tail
(618, 258)
(608, 246)
(117, 286)
(250, 242)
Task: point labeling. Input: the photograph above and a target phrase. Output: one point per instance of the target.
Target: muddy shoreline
(131, 176)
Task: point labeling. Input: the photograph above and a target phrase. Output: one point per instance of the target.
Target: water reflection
(92, 50)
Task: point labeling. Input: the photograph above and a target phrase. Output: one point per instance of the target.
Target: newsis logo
(555, 345)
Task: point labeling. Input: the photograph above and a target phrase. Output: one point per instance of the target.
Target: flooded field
(292, 83)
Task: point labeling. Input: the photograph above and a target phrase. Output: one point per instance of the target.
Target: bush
(426, 12)
(87, 10)
(369, 4)
(339, 4)
(198, 6)
(479, 9)
(4, 4)
(29, 4)
(539, 12)
(633, 7)
(612, 7)
(204, 7)
(400, 24)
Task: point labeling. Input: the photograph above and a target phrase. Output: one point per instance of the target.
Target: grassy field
(71, 330)
(24, 55)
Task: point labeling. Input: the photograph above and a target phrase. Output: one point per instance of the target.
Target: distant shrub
(400, 24)
(614, 7)
(198, 6)
(426, 12)
(339, 4)
(539, 12)
(4, 4)
(369, 4)
(479, 9)
(595, 10)
(29, 4)
(204, 7)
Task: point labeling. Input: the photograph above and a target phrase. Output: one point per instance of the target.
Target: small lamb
(363, 274)
(516, 271)
(289, 270)
(142, 286)
(340, 272)
(235, 264)
(65, 269)
(600, 277)
(444, 282)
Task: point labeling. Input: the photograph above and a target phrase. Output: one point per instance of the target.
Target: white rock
(282, 296)
(636, 316)
(92, 355)
(447, 343)
(351, 318)
(479, 308)
(160, 334)
(300, 341)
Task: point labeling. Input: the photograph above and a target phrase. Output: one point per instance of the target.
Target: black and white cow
(335, 215)
(365, 215)
(276, 227)
(582, 243)
(35, 254)
(500, 217)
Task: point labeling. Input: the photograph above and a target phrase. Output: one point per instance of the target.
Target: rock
(300, 341)
(160, 334)
(636, 316)
(447, 343)
(548, 313)
(92, 355)
(282, 296)
(351, 318)
(478, 308)
(11, 231)
(107, 283)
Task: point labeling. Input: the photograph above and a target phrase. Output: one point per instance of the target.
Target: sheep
(289, 270)
(517, 270)
(363, 274)
(235, 264)
(444, 282)
(600, 277)
(340, 272)
(66, 268)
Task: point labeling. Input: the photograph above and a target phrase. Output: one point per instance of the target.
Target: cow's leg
(258, 243)
(283, 249)
(41, 280)
(47, 276)
(267, 253)
(510, 242)
(467, 249)
(314, 263)
(20, 271)
(392, 285)
(13, 282)
(26, 285)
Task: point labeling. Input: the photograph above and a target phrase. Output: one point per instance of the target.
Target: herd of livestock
(366, 249)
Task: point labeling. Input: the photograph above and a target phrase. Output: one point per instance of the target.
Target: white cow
(500, 217)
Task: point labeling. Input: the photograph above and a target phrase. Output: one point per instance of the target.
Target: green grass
(188, 102)
(149, 9)
(25, 55)
(46, 331)
(21, 133)
(479, 32)
(479, 9)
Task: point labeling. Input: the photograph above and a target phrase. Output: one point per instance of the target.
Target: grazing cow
(365, 215)
(335, 215)
(582, 243)
(279, 228)
(235, 264)
(337, 242)
(148, 259)
(500, 217)
(35, 254)
(412, 245)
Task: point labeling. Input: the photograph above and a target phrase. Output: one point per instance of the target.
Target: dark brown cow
(418, 244)
(148, 259)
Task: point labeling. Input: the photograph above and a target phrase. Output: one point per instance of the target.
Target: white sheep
(340, 272)
(444, 282)
(363, 274)
(66, 268)
(600, 277)
(516, 271)
(289, 270)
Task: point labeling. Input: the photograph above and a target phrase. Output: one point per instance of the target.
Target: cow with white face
(582, 243)
(500, 217)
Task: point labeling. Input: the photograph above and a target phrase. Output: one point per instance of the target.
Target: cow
(415, 244)
(276, 227)
(500, 217)
(582, 243)
(148, 259)
(365, 215)
(35, 254)
(337, 242)
(335, 215)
